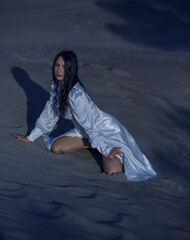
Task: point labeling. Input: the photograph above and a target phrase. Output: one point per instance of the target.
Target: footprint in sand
(114, 196)
(53, 209)
(101, 222)
(77, 191)
(100, 215)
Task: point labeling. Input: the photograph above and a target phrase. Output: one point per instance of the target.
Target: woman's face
(59, 69)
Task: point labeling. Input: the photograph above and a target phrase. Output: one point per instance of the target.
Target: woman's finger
(111, 156)
(116, 150)
(114, 158)
(22, 139)
(119, 153)
(16, 135)
(117, 158)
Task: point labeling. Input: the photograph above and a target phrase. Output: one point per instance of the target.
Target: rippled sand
(46, 196)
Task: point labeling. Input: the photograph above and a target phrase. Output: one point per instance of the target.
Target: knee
(57, 149)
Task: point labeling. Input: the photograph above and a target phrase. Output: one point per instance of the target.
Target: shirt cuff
(36, 133)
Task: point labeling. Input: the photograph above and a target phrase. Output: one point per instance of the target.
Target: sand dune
(46, 196)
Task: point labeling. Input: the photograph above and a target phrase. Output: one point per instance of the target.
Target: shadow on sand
(160, 24)
(36, 99)
(36, 95)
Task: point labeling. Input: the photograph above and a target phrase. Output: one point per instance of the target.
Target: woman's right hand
(21, 137)
(115, 154)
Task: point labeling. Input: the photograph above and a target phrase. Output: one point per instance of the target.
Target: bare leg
(67, 144)
(110, 166)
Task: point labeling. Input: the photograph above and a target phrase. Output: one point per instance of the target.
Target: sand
(140, 76)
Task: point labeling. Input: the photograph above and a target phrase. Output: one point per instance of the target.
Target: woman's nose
(60, 69)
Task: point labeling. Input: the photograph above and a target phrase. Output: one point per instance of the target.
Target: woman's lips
(59, 75)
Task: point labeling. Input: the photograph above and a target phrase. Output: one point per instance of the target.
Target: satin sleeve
(86, 113)
(47, 119)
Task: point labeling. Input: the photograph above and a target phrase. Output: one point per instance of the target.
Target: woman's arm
(85, 113)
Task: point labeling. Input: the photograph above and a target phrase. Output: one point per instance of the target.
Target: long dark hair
(70, 79)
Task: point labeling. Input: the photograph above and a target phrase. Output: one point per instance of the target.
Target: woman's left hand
(115, 154)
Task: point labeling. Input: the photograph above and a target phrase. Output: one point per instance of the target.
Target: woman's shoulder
(77, 90)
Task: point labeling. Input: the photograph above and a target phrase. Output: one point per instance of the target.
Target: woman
(93, 128)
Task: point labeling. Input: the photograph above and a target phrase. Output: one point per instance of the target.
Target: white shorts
(49, 140)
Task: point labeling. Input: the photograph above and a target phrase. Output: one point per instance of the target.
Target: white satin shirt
(103, 131)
